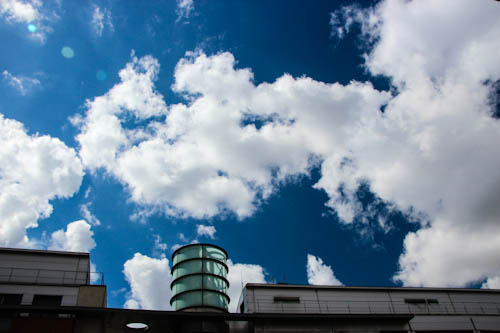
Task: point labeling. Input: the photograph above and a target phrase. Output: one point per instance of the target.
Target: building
(35, 278)
(198, 271)
(371, 309)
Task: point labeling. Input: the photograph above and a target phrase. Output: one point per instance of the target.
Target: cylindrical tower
(200, 284)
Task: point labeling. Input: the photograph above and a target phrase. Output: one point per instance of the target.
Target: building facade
(46, 279)
(373, 309)
(50, 291)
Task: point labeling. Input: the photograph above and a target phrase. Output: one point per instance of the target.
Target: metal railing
(376, 307)
(50, 276)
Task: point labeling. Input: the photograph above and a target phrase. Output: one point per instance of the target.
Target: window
(47, 300)
(286, 299)
(11, 299)
(421, 301)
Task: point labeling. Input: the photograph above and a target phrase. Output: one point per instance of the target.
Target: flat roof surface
(43, 252)
(307, 286)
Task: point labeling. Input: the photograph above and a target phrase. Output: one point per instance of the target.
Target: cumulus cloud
(436, 152)
(205, 230)
(432, 153)
(320, 274)
(231, 146)
(101, 18)
(78, 237)
(239, 275)
(23, 84)
(34, 170)
(184, 9)
(149, 280)
(30, 11)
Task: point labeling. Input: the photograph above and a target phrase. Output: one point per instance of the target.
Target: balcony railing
(50, 276)
(265, 305)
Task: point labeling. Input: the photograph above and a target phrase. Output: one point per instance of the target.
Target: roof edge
(307, 286)
(43, 252)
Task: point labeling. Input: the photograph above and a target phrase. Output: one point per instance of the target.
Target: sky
(318, 142)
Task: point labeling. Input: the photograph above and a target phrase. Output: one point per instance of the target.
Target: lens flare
(101, 75)
(31, 27)
(67, 52)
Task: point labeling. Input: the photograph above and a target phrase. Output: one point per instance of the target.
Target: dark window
(286, 299)
(421, 301)
(242, 307)
(11, 299)
(47, 300)
(415, 300)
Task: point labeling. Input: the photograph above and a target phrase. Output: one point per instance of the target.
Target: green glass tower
(200, 283)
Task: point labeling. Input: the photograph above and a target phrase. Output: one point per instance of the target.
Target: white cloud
(149, 280)
(201, 161)
(205, 230)
(159, 248)
(432, 153)
(436, 149)
(239, 275)
(182, 237)
(34, 170)
(184, 9)
(101, 18)
(492, 283)
(78, 237)
(23, 84)
(20, 11)
(29, 11)
(88, 216)
(320, 274)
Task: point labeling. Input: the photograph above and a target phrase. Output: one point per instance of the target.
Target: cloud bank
(432, 153)
(441, 155)
(34, 170)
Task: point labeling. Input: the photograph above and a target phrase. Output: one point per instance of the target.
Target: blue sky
(321, 142)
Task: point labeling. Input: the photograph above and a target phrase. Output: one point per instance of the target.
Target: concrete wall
(93, 296)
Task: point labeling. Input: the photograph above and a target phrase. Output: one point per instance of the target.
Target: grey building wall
(50, 273)
(51, 267)
(431, 308)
